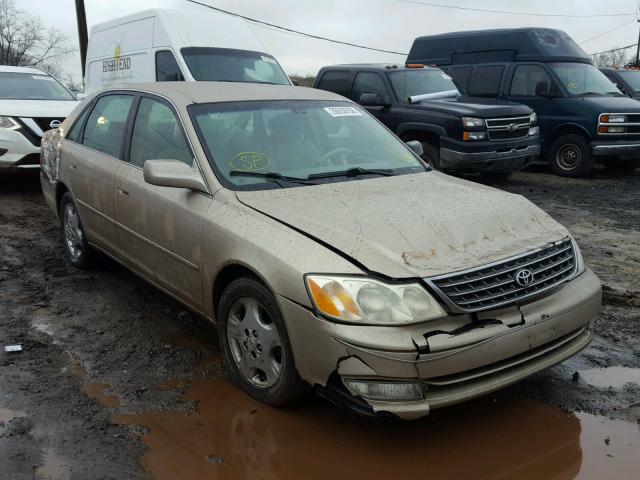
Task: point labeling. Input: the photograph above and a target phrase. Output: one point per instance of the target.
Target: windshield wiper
(271, 176)
(354, 172)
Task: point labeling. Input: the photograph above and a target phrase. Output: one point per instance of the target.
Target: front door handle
(122, 192)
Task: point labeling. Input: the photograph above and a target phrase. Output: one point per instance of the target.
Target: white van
(161, 45)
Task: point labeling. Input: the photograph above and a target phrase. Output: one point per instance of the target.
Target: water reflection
(512, 438)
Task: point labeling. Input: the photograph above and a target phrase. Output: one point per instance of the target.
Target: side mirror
(80, 95)
(416, 146)
(173, 173)
(543, 90)
(295, 83)
(374, 100)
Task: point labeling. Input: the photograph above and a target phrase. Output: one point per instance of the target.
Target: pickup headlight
(367, 301)
(472, 122)
(580, 267)
(533, 118)
(613, 118)
(9, 123)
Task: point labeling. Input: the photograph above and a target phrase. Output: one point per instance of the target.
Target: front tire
(255, 344)
(570, 156)
(75, 242)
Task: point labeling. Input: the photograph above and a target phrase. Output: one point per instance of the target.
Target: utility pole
(83, 35)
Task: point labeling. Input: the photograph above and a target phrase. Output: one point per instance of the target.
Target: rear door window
(106, 124)
(336, 81)
(367, 82)
(485, 81)
(525, 80)
(167, 68)
(157, 134)
(75, 134)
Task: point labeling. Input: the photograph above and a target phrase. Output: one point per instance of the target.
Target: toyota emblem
(523, 277)
(55, 123)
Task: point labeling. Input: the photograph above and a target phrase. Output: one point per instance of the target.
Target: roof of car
(389, 67)
(31, 70)
(209, 92)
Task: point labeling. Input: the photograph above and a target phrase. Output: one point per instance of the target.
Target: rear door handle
(122, 192)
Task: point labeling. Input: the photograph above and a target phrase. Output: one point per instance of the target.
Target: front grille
(45, 122)
(495, 285)
(508, 128)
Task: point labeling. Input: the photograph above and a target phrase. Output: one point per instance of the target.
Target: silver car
(328, 254)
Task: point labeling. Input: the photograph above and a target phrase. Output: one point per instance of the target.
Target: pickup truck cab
(583, 117)
(462, 134)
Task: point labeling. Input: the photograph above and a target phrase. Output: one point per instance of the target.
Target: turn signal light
(414, 65)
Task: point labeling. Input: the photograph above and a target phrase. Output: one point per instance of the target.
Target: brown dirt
(118, 381)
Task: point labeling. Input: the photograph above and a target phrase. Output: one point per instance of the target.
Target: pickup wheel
(255, 344)
(431, 154)
(75, 241)
(570, 156)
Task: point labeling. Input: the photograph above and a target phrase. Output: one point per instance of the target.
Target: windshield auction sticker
(343, 111)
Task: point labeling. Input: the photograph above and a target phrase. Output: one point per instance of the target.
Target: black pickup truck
(462, 134)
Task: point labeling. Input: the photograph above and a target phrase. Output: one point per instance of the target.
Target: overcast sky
(385, 24)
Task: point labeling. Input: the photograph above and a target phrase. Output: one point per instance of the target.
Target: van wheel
(75, 241)
(431, 154)
(570, 156)
(256, 348)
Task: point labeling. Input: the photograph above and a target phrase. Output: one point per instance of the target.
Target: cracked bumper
(552, 329)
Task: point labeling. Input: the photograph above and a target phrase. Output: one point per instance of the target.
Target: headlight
(9, 123)
(613, 118)
(533, 118)
(534, 131)
(470, 122)
(367, 301)
(474, 136)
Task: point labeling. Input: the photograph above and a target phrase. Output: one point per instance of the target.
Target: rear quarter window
(336, 81)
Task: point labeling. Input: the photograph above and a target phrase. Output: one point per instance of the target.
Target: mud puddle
(613, 377)
(97, 391)
(231, 436)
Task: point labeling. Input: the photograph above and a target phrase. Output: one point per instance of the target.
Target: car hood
(414, 225)
(612, 104)
(475, 106)
(37, 108)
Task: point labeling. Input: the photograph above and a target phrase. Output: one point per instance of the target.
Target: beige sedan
(326, 252)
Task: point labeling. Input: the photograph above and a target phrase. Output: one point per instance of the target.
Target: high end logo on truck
(117, 63)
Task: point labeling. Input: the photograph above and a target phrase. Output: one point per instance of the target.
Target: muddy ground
(117, 381)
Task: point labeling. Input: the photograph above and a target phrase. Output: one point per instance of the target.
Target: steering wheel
(336, 156)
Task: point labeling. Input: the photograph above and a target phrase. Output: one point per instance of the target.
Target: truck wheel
(431, 154)
(255, 344)
(570, 156)
(75, 241)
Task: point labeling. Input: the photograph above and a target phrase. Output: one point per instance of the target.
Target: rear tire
(570, 156)
(75, 242)
(255, 344)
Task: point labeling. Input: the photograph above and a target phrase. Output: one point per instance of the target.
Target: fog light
(605, 129)
(534, 131)
(390, 391)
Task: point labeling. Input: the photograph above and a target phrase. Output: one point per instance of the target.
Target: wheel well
(561, 131)
(421, 136)
(227, 275)
(61, 189)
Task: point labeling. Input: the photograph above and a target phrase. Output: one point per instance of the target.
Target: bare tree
(26, 41)
(71, 83)
(611, 59)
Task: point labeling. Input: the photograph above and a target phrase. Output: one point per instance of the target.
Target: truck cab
(626, 79)
(584, 118)
(165, 45)
(458, 133)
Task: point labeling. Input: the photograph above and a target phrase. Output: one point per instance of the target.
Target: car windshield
(273, 144)
(411, 83)
(632, 77)
(583, 79)
(229, 65)
(29, 86)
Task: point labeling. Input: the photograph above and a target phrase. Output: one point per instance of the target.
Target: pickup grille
(495, 285)
(508, 128)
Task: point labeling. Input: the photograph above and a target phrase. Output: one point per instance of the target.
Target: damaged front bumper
(442, 362)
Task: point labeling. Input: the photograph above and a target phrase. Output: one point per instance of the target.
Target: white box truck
(174, 45)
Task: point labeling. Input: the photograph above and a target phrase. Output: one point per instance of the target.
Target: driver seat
(288, 149)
